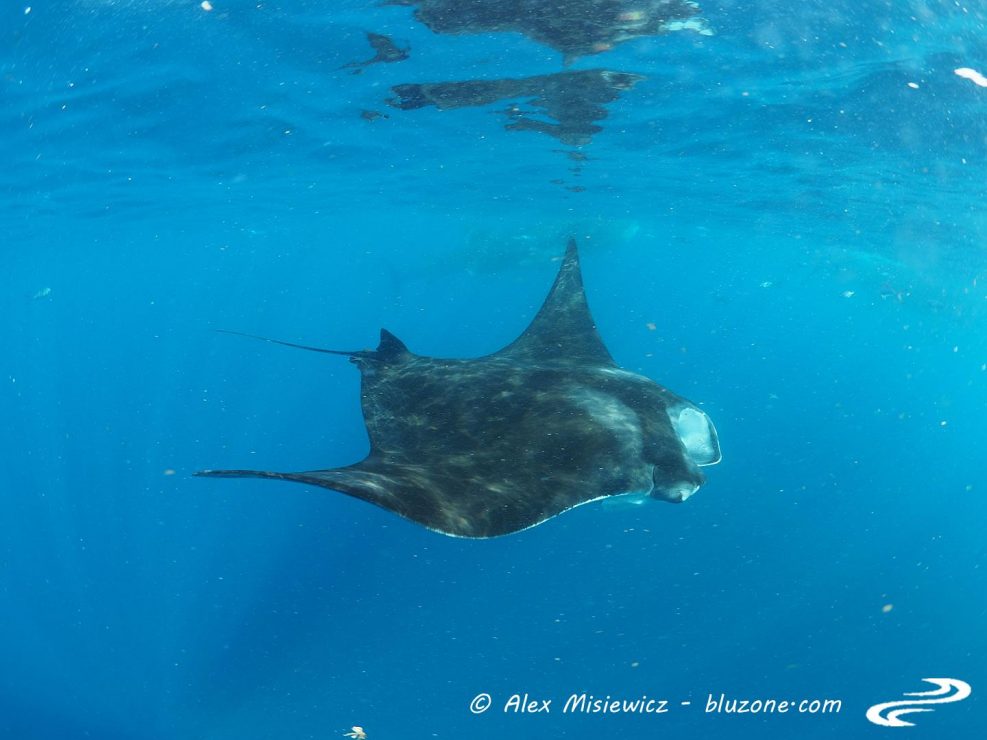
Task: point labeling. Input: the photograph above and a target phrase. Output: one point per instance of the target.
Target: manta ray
(497, 444)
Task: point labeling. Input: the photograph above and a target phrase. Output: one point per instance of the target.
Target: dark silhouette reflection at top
(573, 100)
(387, 52)
(573, 27)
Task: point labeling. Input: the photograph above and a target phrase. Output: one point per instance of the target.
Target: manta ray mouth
(677, 493)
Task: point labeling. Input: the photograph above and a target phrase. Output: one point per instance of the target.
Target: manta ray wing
(564, 328)
(508, 486)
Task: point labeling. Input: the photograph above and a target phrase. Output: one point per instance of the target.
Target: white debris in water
(206, 5)
(27, 10)
(698, 25)
(913, 85)
(971, 74)
(848, 293)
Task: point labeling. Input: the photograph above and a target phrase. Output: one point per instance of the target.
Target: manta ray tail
(291, 344)
(390, 347)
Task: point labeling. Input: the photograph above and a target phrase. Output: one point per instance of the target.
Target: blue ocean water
(784, 222)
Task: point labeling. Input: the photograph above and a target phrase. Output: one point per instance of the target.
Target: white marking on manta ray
(615, 416)
(603, 498)
(693, 426)
(524, 529)
(629, 500)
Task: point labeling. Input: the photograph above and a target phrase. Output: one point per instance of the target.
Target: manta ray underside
(493, 445)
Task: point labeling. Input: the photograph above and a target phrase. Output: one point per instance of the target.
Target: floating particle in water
(356, 732)
(652, 326)
(206, 5)
(848, 293)
(971, 74)
(887, 608)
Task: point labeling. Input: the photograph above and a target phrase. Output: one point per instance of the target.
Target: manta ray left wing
(456, 499)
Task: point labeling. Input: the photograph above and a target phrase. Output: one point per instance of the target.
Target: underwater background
(783, 221)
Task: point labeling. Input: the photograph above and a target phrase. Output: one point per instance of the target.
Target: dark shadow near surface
(387, 53)
(574, 28)
(574, 100)
(567, 106)
(370, 116)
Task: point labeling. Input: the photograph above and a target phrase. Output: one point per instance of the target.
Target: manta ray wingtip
(571, 252)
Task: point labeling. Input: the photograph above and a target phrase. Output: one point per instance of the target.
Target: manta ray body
(498, 444)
